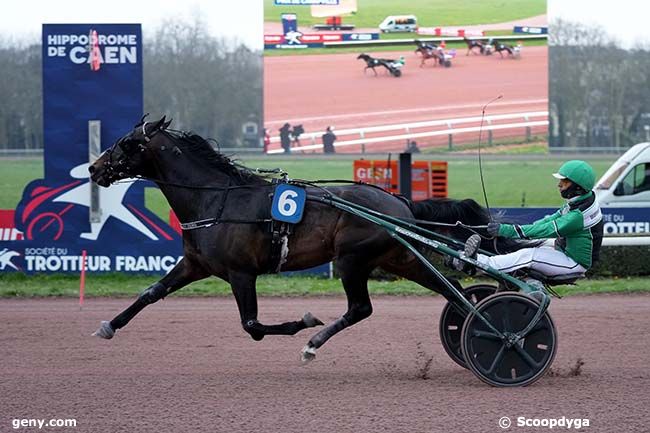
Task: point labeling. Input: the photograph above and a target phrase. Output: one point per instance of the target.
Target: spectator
(267, 140)
(285, 139)
(328, 140)
(412, 147)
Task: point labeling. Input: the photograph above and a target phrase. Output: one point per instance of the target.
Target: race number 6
(288, 203)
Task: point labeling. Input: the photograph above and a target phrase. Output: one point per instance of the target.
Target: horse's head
(129, 156)
(363, 56)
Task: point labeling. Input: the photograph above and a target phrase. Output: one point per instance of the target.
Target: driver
(577, 228)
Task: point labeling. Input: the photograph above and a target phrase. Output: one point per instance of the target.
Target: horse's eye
(127, 144)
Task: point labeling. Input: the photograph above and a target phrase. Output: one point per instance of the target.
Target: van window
(405, 21)
(609, 181)
(636, 181)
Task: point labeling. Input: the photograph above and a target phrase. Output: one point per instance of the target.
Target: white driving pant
(545, 259)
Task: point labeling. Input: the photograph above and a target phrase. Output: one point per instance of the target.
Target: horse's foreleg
(243, 287)
(181, 275)
(354, 277)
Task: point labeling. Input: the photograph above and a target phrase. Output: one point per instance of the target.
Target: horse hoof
(310, 320)
(105, 331)
(307, 354)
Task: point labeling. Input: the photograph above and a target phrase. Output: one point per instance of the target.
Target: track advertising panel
(91, 72)
(292, 38)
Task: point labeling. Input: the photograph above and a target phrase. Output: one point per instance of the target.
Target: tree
(598, 91)
(207, 84)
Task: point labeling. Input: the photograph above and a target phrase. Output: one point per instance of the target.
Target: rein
(209, 222)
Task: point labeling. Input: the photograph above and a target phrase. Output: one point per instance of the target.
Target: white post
(94, 150)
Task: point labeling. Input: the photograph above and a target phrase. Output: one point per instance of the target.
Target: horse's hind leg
(354, 276)
(180, 276)
(243, 287)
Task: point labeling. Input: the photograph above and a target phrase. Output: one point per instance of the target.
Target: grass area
(429, 12)
(509, 182)
(506, 181)
(527, 149)
(15, 174)
(19, 285)
(536, 146)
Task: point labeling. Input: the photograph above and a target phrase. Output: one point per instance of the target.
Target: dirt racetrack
(185, 365)
(322, 90)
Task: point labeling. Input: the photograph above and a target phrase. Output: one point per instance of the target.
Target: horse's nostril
(91, 169)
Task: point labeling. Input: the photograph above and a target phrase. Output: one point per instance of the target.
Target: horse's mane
(202, 149)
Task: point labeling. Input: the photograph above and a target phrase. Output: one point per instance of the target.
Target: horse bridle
(121, 168)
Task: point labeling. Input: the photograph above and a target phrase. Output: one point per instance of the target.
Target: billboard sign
(92, 75)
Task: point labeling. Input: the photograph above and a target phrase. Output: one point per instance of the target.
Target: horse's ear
(167, 123)
(159, 124)
(142, 120)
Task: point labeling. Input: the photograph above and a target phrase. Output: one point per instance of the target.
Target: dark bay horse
(472, 44)
(391, 65)
(500, 47)
(371, 62)
(200, 183)
(431, 51)
(426, 51)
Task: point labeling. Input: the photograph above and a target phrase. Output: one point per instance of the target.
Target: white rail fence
(639, 239)
(405, 131)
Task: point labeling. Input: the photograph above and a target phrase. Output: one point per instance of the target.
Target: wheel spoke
(497, 358)
(505, 319)
(486, 335)
(526, 357)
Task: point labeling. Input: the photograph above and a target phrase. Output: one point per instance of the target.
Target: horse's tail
(468, 212)
(449, 211)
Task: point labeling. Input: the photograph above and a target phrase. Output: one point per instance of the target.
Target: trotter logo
(5, 259)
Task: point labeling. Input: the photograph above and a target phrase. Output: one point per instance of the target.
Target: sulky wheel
(396, 72)
(451, 321)
(501, 363)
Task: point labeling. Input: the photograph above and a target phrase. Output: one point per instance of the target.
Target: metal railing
(426, 38)
(628, 239)
(405, 130)
(20, 153)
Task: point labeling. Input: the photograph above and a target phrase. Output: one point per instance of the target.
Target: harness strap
(280, 232)
(209, 222)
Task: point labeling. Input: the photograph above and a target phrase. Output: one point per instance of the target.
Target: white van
(627, 182)
(399, 23)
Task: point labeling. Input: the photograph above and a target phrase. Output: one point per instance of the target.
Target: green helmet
(578, 172)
